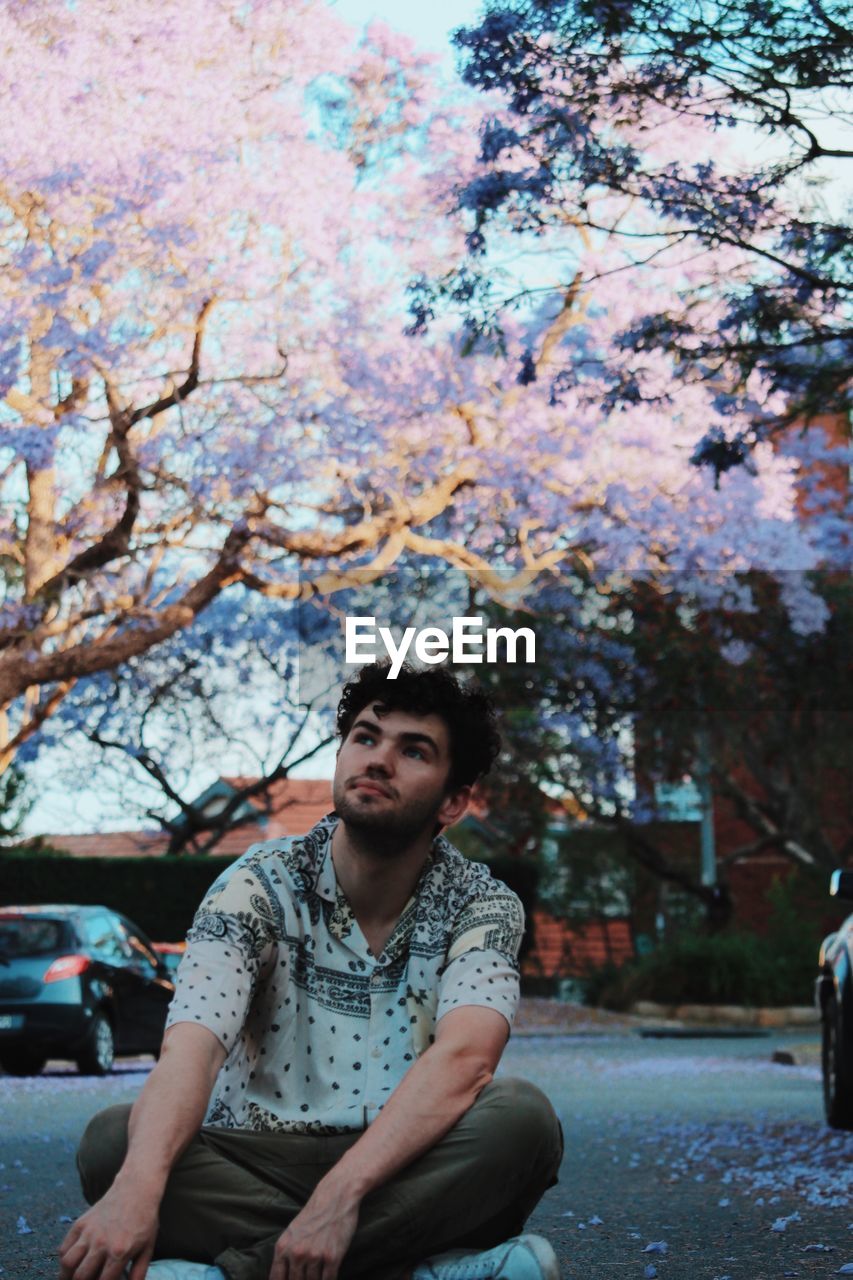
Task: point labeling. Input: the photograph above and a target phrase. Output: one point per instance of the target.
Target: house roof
(111, 844)
(294, 806)
(290, 807)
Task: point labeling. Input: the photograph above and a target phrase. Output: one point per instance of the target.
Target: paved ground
(704, 1146)
(699, 1159)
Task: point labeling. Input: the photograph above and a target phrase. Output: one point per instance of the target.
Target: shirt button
(376, 1053)
(376, 976)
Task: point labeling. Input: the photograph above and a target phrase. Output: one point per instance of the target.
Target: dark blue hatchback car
(78, 982)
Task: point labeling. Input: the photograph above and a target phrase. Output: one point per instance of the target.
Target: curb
(729, 1015)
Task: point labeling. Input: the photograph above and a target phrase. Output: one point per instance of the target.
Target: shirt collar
(326, 885)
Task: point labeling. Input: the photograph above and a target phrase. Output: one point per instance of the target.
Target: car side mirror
(841, 884)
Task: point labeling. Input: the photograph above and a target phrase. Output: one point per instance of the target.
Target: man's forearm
(169, 1111)
(433, 1095)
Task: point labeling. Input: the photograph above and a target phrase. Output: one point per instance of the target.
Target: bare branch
(179, 394)
(751, 810)
(404, 513)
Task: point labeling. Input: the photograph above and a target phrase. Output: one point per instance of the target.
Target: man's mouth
(366, 784)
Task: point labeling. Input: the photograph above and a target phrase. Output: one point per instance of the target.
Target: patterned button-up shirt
(319, 1031)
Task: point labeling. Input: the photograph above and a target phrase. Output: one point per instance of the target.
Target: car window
(171, 960)
(101, 935)
(141, 952)
(31, 937)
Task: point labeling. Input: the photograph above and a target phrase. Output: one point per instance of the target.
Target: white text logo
(465, 643)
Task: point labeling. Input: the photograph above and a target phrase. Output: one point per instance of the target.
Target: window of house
(679, 801)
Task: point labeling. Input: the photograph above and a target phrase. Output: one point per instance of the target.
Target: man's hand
(313, 1246)
(434, 1093)
(120, 1229)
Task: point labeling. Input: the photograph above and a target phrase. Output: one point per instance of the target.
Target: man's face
(391, 776)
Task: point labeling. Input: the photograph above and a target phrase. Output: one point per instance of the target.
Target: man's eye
(416, 751)
(364, 737)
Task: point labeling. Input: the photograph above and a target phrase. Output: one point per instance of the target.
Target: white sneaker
(175, 1269)
(521, 1258)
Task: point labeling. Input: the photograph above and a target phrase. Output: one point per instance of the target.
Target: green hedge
(159, 894)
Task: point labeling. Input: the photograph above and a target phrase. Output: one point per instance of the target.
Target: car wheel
(835, 1065)
(22, 1064)
(98, 1054)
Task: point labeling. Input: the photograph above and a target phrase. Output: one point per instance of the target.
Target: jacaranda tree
(231, 694)
(204, 208)
(210, 211)
(698, 131)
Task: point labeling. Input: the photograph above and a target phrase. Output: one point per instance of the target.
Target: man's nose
(382, 760)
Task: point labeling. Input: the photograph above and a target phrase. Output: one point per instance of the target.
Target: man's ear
(453, 806)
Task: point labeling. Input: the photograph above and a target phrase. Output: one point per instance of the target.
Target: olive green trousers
(233, 1192)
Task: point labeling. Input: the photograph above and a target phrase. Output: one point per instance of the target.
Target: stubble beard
(388, 833)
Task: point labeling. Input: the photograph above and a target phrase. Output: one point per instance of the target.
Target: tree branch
(44, 710)
(20, 671)
(179, 394)
(750, 810)
(404, 513)
(116, 541)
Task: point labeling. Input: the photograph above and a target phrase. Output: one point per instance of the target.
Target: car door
(111, 983)
(149, 988)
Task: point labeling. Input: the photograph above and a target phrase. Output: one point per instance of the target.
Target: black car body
(834, 999)
(78, 982)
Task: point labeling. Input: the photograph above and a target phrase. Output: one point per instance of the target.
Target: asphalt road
(701, 1159)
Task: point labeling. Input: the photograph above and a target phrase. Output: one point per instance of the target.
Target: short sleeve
(482, 959)
(231, 935)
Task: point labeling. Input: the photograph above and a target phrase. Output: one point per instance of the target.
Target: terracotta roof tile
(295, 805)
(111, 844)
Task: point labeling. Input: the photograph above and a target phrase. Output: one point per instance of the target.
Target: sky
(429, 22)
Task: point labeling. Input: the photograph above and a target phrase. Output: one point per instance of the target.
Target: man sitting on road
(324, 1103)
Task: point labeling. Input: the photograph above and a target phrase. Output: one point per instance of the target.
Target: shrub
(158, 894)
(732, 967)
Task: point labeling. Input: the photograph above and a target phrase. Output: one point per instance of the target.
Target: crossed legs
(233, 1192)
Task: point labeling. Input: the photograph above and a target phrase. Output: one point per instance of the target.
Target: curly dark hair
(466, 709)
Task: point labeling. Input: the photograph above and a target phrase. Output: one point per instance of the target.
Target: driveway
(685, 1159)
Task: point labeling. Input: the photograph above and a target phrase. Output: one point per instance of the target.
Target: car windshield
(30, 937)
